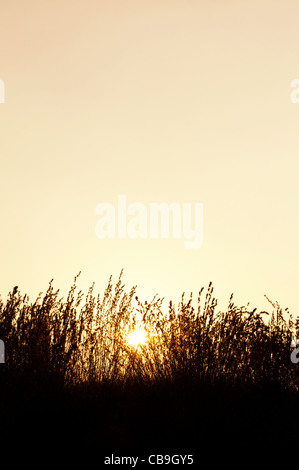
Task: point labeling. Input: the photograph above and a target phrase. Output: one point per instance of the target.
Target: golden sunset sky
(163, 101)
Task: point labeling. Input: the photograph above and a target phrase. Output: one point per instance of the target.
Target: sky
(161, 101)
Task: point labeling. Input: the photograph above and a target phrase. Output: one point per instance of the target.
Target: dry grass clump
(236, 347)
(77, 341)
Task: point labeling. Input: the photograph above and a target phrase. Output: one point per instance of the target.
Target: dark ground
(43, 421)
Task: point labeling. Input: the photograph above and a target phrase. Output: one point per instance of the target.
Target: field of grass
(203, 379)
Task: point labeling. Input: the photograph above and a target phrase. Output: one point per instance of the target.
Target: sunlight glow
(138, 337)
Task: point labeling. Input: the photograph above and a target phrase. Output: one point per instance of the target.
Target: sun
(138, 337)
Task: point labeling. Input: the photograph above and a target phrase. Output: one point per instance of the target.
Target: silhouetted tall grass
(72, 358)
(81, 340)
